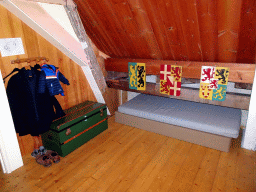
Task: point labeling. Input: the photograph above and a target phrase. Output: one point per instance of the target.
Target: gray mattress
(203, 117)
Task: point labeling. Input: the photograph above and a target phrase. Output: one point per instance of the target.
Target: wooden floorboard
(124, 158)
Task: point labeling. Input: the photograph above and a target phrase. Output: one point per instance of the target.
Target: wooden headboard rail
(239, 72)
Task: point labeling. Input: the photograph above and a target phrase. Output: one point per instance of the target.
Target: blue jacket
(53, 78)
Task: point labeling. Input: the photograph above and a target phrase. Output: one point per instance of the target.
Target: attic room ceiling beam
(240, 73)
(94, 66)
(59, 2)
(39, 20)
(86, 44)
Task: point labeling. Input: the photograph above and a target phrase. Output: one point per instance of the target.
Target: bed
(203, 124)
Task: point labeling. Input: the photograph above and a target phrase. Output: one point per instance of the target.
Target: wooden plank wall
(36, 46)
(181, 30)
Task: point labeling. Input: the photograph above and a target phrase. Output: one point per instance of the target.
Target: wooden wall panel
(145, 29)
(159, 28)
(106, 11)
(207, 17)
(228, 29)
(247, 37)
(190, 30)
(92, 15)
(175, 36)
(35, 45)
(136, 44)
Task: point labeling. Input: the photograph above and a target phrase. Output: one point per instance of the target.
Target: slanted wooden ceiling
(181, 30)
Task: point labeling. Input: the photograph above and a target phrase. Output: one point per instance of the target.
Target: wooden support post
(86, 44)
(109, 96)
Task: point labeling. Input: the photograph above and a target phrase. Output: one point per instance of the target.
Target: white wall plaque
(11, 46)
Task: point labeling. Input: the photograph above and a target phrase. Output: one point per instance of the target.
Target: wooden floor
(123, 158)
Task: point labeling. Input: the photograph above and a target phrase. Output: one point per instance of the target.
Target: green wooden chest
(80, 124)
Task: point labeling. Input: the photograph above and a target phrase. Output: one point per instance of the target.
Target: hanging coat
(53, 78)
(30, 103)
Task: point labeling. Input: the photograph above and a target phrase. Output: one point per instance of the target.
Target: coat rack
(28, 60)
(25, 60)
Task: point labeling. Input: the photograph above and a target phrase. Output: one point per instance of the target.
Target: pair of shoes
(42, 150)
(35, 153)
(43, 160)
(53, 156)
(47, 158)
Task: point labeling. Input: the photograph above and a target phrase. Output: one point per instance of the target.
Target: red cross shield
(165, 71)
(174, 86)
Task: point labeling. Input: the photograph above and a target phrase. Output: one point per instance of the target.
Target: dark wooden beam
(189, 94)
(241, 73)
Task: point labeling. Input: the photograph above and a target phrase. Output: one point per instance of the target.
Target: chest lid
(77, 113)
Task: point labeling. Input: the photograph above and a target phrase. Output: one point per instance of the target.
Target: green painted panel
(81, 114)
(78, 128)
(67, 148)
(51, 145)
(77, 107)
(78, 119)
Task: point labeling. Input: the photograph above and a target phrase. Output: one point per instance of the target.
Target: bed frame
(213, 141)
(239, 73)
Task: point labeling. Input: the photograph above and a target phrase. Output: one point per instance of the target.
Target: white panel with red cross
(165, 71)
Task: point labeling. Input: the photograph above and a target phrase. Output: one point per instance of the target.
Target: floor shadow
(236, 143)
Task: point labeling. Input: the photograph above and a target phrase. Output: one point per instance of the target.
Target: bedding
(212, 119)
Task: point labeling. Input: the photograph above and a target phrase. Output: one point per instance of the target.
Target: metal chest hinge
(68, 132)
(101, 112)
